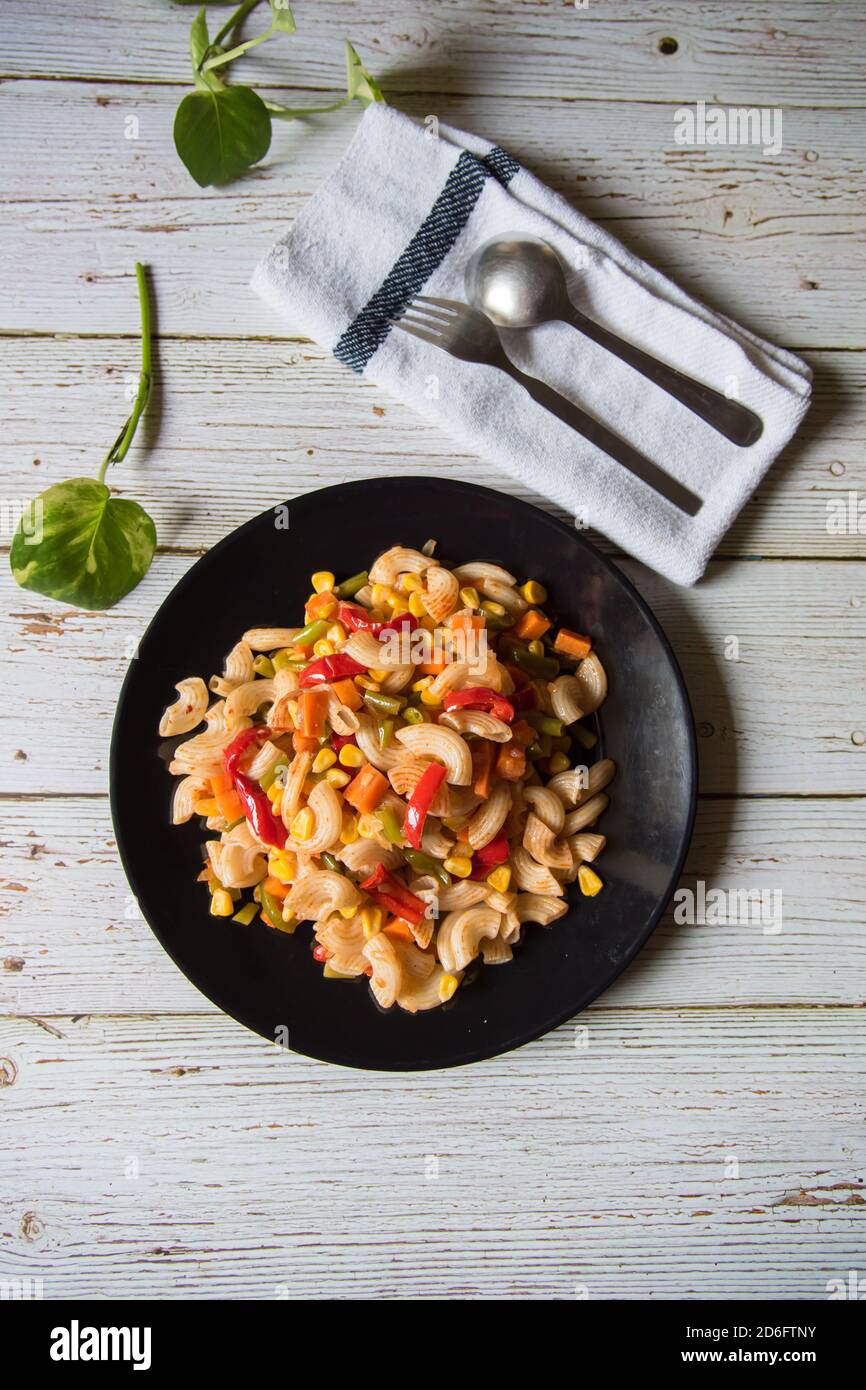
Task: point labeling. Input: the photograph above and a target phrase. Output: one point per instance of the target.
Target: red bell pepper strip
(484, 860)
(480, 697)
(356, 619)
(257, 807)
(523, 699)
(420, 802)
(386, 889)
(329, 668)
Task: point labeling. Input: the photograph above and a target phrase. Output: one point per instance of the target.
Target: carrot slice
(399, 928)
(347, 693)
(366, 789)
(313, 710)
(572, 643)
(532, 624)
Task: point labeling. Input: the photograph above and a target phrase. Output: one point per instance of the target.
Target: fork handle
(735, 421)
(610, 443)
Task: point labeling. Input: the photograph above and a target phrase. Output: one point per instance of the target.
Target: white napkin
(402, 214)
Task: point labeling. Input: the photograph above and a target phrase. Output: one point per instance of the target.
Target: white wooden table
(699, 1131)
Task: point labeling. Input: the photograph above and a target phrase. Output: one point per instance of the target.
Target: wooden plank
(772, 241)
(710, 1154)
(785, 716)
(71, 939)
(783, 52)
(260, 419)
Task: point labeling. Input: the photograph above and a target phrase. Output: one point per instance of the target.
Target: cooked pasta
(404, 771)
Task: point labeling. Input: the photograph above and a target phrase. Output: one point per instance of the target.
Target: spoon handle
(735, 421)
(598, 434)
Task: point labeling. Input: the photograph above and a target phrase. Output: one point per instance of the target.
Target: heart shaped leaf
(220, 133)
(80, 545)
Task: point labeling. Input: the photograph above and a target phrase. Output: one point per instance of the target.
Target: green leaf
(199, 40)
(359, 82)
(219, 134)
(82, 546)
(282, 17)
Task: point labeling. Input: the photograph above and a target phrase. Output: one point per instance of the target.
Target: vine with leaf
(221, 128)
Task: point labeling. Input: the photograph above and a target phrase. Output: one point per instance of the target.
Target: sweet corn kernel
(589, 881)
(351, 756)
(277, 800)
(470, 597)
(428, 698)
(416, 605)
(323, 581)
(349, 832)
(337, 777)
(346, 912)
(558, 763)
(423, 683)
(273, 792)
(411, 583)
(323, 647)
(381, 593)
(371, 920)
(398, 607)
(378, 676)
(206, 807)
(459, 866)
(536, 647)
(495, 610)
(325, 758)
(447, 986)
(284, 867)
(369, 827)
(222, 904)
(336, 633)
(533, 592)
(500, 878)
(303, 824)
(366, 684)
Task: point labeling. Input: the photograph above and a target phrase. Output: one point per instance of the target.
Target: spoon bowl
(518, 281)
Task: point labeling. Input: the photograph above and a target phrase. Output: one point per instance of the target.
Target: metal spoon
(519, 281)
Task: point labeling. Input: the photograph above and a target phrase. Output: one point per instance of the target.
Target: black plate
(259, 575)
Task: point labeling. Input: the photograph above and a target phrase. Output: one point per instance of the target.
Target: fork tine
(436, 315)
(454, 305)
(421, 321)
(416, 332)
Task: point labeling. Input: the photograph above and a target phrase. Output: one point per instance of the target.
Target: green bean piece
(282, 659)
(382, 704)
(246, 914)
(534, 751)
(267, 780)
(390, 823)
(546, 724)
(413, 715)
(426, 864)
(332, 862)
(271, 907)
(544, 666)
(585, 737)
(330, 973)
(350, 587)
(233, 823)
(288, 927)
(386, 733)
(311, 633)
(263, 666)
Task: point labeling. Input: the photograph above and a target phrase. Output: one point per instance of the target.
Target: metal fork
(469, 335)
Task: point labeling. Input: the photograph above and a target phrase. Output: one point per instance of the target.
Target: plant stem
(221, 59)
(288, 113)
(234, 20)
(121, 444)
